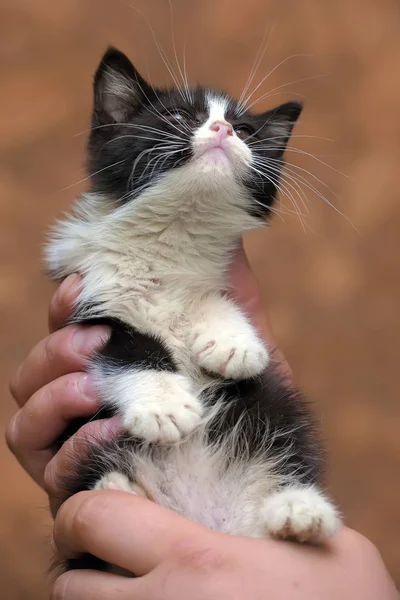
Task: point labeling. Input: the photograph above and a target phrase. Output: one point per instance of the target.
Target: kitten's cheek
(58, 472)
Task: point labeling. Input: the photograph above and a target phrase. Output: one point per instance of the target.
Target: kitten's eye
(182, 115)
(178, 115)
(243, 131)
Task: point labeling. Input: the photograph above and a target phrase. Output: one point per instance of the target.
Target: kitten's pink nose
(222, 128)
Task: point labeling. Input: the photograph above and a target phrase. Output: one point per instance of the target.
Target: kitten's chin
(215, 161)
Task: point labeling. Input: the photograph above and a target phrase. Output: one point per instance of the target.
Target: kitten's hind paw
(118, 481)
(301, 514)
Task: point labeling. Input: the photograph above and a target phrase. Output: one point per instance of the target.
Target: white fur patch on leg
(303, 514)
(156, 406)
(224, 342)
(118, 481)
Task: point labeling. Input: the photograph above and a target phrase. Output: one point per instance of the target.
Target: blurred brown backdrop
(332, 288)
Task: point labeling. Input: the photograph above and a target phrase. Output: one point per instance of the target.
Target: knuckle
(59, 346)
(199, 558)
(65, 387)
(92, 510)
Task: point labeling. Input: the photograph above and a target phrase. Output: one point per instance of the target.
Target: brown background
(332, 289)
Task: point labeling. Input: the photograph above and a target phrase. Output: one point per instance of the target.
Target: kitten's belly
(198, 482)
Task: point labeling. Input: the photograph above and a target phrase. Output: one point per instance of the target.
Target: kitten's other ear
(119, 90)
(282, 119)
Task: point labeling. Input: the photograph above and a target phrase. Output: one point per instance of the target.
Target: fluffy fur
(178, 176)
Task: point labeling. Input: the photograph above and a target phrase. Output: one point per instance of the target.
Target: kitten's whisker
(278, 170)
(157, 112)
(283, 187)
(164, 155)
(161, 166)
(282, 137)
(290, 167)
(184, 80)
(315, 191)
(133, 126)
(282, 62)
(143, 153)
(93, 174)
(161, 146)
(141, 137)
(257, 61)
(305, 153)
(285, 85)
(161, 51)
(185, 73)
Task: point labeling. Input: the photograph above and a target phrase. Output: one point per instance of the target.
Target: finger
(36, 427)
(95, 585)
(246, 291)
(65, 351)
(63, 465)
(62, 302)
(125, 530)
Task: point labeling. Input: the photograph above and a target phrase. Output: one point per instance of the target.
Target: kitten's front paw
(232, 354)
(302, 514)
(164, 410)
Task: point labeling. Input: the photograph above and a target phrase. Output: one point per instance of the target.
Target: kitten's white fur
(159, 263)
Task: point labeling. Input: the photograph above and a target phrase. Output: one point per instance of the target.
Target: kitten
(211, 430)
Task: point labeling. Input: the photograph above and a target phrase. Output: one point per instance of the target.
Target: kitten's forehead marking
(217, 107)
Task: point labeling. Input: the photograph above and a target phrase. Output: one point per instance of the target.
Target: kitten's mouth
(212, 151)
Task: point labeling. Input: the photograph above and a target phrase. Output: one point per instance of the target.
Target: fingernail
(70, 285)
(87, 386)
(88, 339)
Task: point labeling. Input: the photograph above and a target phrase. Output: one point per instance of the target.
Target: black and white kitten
(179, 175)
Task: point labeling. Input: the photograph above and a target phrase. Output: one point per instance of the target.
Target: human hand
(52, 389)
(175, 559)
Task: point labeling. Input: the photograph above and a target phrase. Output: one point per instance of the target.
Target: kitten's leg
(299, 513)
(274, 428)
(136, 375)
(223, 341)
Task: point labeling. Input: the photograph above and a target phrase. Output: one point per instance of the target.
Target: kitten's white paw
(232, 354)
(164, 410)
(118, 481)
(303, 514)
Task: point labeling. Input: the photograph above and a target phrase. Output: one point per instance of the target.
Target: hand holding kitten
(175, 559)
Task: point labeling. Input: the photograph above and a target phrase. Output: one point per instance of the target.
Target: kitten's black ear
(282, 119)
(119, 90)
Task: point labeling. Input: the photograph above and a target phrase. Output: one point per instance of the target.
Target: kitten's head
(141, 135)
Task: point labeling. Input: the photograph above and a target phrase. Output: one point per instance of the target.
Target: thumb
(125, 530)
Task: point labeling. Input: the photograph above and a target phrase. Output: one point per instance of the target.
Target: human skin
(173, 558)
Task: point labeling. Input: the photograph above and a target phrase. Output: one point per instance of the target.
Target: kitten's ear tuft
(119, 90)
